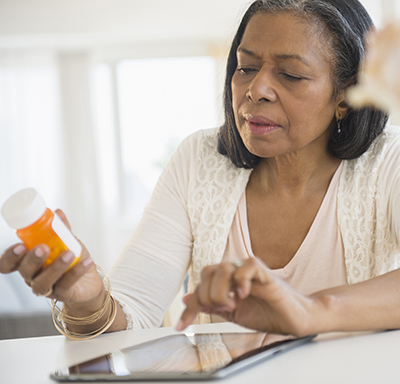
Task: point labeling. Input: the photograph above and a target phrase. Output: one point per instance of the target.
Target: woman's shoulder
(200, 138)
(389, 138)
(363, 196)
(386, 144)
(380, 161)
(192, 144)
(391, 132)
(202, 147)
(198, 152)
(203, 135)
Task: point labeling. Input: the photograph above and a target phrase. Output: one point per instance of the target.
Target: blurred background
(95, 95)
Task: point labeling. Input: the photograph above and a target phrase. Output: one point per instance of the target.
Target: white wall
(78, 23)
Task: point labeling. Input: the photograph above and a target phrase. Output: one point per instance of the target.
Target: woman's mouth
(259, 125)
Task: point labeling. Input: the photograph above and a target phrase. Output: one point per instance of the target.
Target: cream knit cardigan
(197, 196)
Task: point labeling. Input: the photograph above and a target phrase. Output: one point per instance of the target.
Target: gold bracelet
(60, 319)
(61, 316)
(90, 335)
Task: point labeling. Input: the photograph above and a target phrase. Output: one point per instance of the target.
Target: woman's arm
(371, 305)
(252, 296)
(149, 272)
(152, 266)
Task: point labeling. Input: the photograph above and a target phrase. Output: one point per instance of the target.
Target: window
(160, 102)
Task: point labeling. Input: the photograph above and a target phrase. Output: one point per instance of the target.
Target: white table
(331, 358)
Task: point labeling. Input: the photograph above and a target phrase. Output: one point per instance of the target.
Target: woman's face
(282, 87)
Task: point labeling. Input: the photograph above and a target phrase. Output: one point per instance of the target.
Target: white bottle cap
(23, 208)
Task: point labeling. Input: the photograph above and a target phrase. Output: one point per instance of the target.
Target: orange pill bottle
(26, 212)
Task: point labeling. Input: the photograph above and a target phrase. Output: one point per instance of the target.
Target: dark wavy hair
(345, 23)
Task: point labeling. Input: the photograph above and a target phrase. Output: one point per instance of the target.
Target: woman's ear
(342, 107)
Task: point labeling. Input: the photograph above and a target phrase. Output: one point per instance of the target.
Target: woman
(361, 231)
(295, 178)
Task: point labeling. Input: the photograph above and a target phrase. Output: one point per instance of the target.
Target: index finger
(193, 307)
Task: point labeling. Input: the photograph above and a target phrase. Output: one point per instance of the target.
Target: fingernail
(67, 257)
(19, 249)
(88, 261)
(39, 252)
(240, 292)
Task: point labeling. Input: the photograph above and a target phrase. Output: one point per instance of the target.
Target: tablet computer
(182, 357)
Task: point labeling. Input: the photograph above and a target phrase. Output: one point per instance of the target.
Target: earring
(338, 122)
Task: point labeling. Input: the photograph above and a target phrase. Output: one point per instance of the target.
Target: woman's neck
(294, 174)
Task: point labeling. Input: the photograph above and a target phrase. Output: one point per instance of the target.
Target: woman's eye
(246, 71)
(291, 78)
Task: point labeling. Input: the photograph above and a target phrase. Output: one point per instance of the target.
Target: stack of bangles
(61, 319)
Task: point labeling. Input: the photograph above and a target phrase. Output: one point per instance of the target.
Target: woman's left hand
(251, 296)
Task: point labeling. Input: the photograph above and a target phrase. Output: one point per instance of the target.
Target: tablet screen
(186, 355)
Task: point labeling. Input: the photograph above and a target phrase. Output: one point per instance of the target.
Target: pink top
(319, 262)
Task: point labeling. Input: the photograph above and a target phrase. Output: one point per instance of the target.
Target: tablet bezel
(238, 364)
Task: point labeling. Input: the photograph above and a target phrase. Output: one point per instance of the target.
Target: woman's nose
(261, 88)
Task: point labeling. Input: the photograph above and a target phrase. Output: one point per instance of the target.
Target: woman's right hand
(252, 296)
(81, 284)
